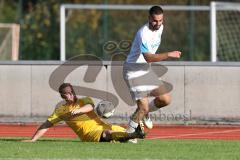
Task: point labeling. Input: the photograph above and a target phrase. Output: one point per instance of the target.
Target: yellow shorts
(95, 135)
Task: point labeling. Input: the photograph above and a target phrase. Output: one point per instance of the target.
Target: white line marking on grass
(196, 134)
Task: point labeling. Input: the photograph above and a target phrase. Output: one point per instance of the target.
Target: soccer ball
(105, 109)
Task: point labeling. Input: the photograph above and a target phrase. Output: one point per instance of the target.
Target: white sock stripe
(133, 124)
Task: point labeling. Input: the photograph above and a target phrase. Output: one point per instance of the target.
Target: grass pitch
(74, 149)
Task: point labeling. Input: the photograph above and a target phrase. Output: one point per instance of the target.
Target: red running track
(158, 132)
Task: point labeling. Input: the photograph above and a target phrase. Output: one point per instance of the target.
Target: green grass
(68, 149)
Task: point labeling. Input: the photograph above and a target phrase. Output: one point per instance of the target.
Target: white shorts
(141, 82)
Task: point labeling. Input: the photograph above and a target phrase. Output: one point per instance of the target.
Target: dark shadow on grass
(59, 140)
(40, 140)
(19, 139)
(10, 139)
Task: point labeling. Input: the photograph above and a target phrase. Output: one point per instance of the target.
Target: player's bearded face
(155, 21)
(68, 95)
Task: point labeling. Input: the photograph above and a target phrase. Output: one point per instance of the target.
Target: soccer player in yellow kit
(78, 114)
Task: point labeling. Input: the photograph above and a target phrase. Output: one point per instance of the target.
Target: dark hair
(155, 10)
(63, 86)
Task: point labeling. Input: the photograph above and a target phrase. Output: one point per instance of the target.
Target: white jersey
(136, 70)
(145, 41)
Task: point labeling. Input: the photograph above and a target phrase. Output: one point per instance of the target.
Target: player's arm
(84, 109)
(40, 131)
(149, 57)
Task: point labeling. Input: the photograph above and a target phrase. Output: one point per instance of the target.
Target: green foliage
(88, 30)
(40, 32)
(7, 11)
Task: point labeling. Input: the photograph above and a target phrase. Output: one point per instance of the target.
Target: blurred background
(36, 34)
(88, 30)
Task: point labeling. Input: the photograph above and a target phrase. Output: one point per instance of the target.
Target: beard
(154, 27)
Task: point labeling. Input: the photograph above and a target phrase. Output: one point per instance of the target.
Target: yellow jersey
(88, 126)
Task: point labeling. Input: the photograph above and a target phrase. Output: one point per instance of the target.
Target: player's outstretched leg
(108, 135)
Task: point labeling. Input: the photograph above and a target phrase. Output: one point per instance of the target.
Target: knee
(163, 100)
(106, 136)
(143, 105)
(145, 110)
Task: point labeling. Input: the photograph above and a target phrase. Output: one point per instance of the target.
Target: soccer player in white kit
(138, 64)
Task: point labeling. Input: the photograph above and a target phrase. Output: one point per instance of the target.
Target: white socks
(131, 126)
(152, 106)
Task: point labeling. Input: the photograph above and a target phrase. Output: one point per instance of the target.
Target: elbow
(149, 60)
(148, 57)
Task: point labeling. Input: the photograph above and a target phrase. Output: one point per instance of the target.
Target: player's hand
(174, 54)
(75, 111)
(27, 140)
